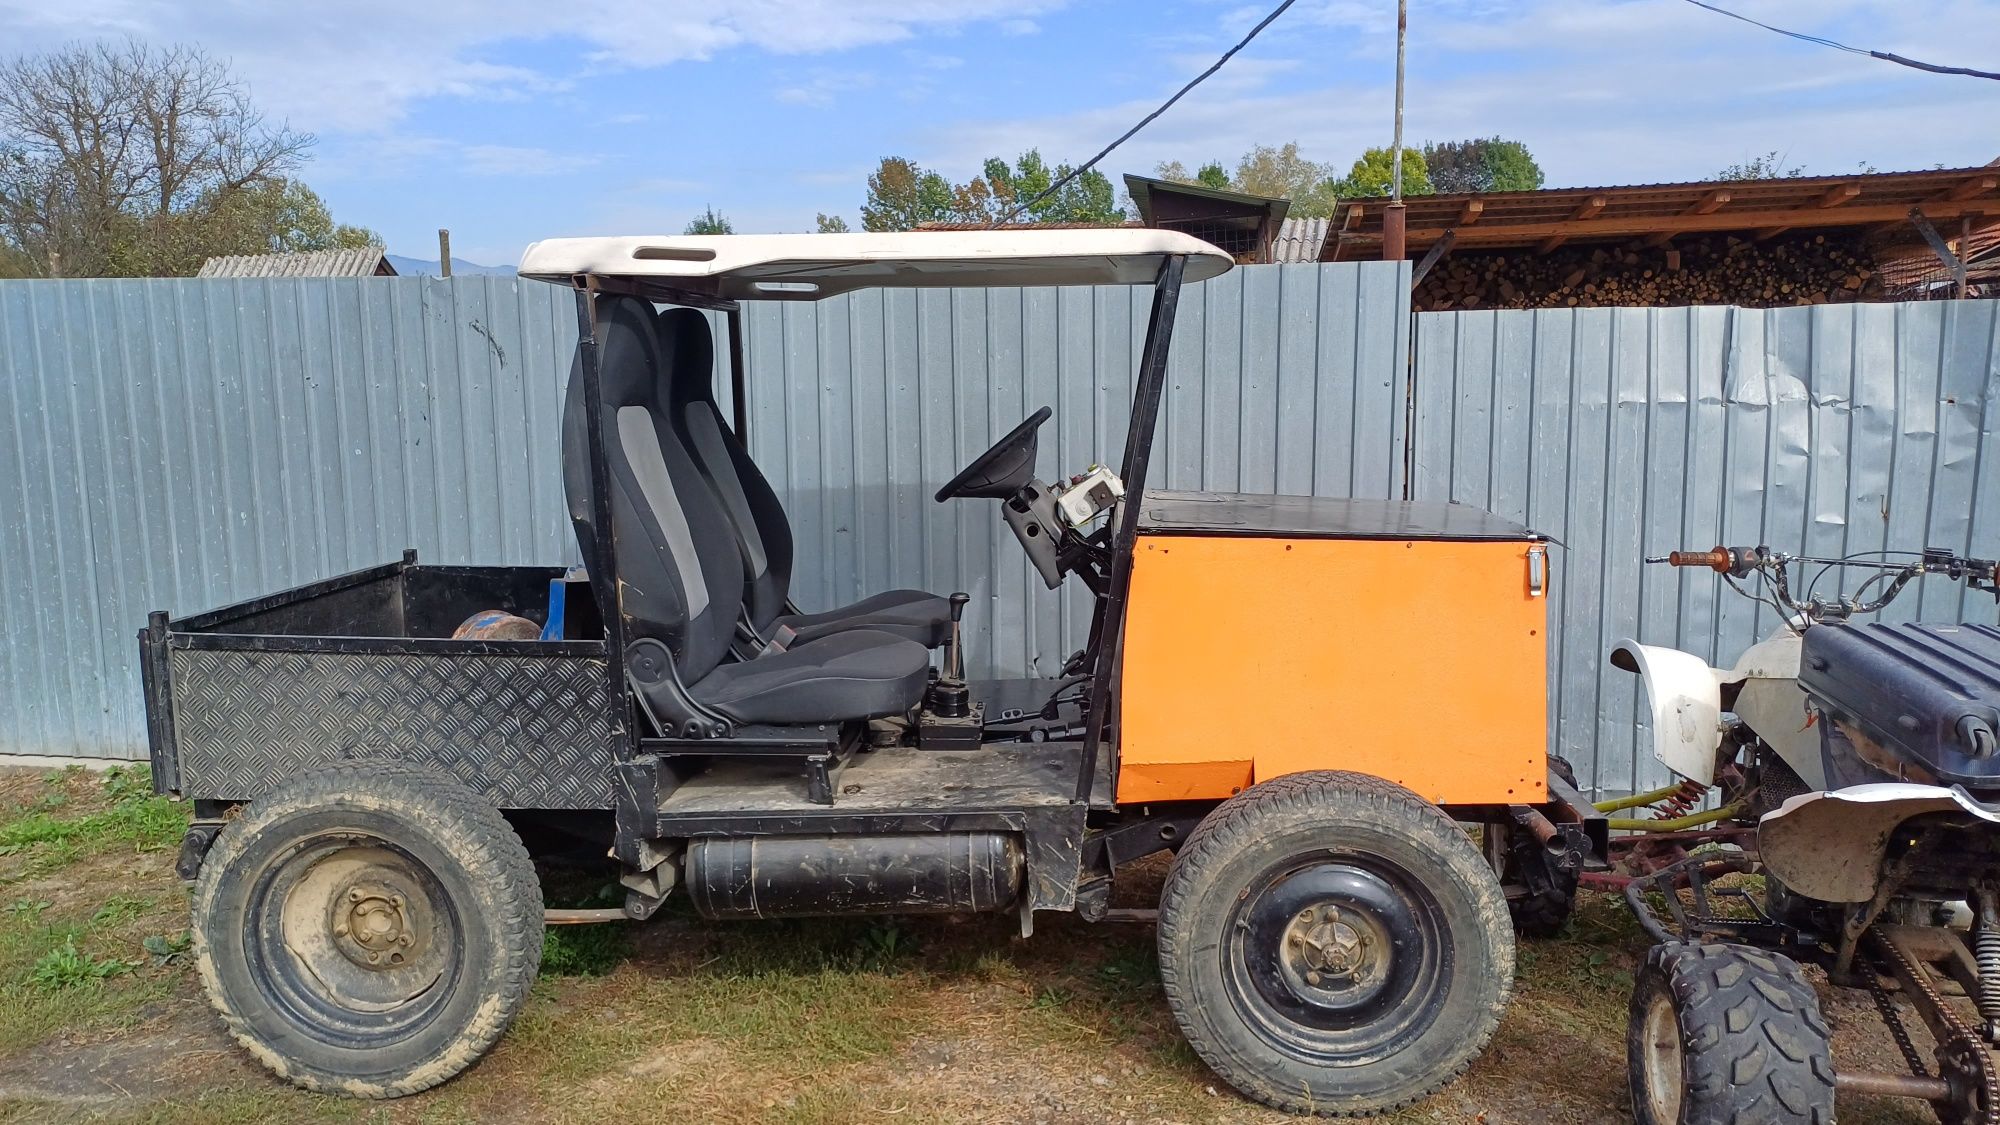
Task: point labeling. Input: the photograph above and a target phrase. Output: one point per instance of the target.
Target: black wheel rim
(353, 940)
(1338, 962)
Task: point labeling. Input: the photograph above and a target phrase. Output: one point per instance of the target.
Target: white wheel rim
(1662, 1063)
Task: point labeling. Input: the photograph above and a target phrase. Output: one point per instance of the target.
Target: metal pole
(1396, 154)
(1393, 247)
(1107, 627)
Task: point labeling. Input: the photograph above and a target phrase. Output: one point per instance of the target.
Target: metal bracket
(1941, 248)
(1437, 251)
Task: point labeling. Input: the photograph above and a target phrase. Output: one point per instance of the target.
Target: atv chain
(1962, 1056)
(1898, 1031)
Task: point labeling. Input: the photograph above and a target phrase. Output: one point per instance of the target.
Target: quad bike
(1855, 768)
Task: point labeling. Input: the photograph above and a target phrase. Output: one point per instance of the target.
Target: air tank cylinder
(804, 876)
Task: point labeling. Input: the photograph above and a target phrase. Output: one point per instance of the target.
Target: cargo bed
(363, 666)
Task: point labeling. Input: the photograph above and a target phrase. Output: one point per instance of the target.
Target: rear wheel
(1726, 1035)
(368, 929)
(1332, 943)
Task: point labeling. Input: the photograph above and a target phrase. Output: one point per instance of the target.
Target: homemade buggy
(1855, 767)
(367, 754)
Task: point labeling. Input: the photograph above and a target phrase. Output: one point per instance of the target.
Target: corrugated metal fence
(181, 444)
(1630, 432)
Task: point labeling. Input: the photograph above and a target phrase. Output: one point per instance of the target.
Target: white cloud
(1019, 27)
(351, 65)
(821, 88)
(1618, 92)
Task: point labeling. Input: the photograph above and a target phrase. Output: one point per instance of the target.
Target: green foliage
(1281, 173)
(831, 224)
(582, 951)
(119, 908)
(710, 221)
(1371, 174)
(1088, 198)
(1481, 164)
(135, 817)
(1769, 166)
(66, 966)
(167, 949)
(903, 196)
(1272, 171)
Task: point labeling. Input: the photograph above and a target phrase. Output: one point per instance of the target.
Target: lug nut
(374, 958)
(340, 928)
(1312, 977)
(354, 895)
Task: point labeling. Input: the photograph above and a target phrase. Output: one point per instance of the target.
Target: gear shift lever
(954, 658)
(948, 695)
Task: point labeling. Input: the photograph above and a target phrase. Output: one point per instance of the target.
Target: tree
(1209, 175)
(1769, 166)
(1273, 172)
(1088, 198)
(831, 224)
(1371, 175)
(124, 158)
(1481, 164)
(903, 196)
(710, 221)
(1281, 173)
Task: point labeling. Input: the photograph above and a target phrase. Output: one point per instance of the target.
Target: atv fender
(1686, 698)
(1830, 846)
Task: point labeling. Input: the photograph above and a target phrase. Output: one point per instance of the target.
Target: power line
(1149, 118)
(1885, 56)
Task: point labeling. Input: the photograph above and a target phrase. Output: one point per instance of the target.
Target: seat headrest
(687, 349)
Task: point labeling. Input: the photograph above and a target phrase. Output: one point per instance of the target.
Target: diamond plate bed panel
(528, 731)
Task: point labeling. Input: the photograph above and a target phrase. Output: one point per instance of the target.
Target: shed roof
(1548, 218)
(364, 261)
(1300, 240)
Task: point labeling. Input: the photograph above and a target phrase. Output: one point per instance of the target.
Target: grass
(814, 1021)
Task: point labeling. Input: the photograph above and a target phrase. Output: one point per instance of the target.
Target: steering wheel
(999, 472)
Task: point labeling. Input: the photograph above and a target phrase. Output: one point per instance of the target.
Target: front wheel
(1723, 1034)
(368, 929)
(1332, 943)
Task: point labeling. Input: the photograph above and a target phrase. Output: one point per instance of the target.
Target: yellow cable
(1635, 801)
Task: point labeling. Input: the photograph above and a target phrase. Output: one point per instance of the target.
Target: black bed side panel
(529, 731)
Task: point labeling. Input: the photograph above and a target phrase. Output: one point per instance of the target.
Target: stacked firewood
(1807, 269)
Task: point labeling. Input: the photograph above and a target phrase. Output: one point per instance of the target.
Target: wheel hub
(374, 926)
(1321, 944)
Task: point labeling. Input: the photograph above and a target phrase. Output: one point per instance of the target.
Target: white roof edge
(810, 266)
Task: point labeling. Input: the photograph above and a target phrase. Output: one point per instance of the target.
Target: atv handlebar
(1775, 568)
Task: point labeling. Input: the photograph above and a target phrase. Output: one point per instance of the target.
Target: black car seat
(681, 572)
(762, 531)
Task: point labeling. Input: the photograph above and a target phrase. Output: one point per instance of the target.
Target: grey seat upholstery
(680, 570)
(762, 532)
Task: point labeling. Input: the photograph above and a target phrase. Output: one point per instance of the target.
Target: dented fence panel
(1824, 430)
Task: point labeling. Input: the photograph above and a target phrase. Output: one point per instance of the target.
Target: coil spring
(1986, 951)
(1681, 802)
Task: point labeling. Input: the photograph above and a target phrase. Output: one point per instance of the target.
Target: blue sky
(510, 120)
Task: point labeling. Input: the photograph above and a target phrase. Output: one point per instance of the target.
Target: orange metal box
(1270, 635)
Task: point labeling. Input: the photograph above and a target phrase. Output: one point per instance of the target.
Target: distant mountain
(418, 267)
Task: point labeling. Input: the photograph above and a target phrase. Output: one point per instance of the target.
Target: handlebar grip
(1720, 559)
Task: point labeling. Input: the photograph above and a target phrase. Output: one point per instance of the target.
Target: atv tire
(1727, 1035)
